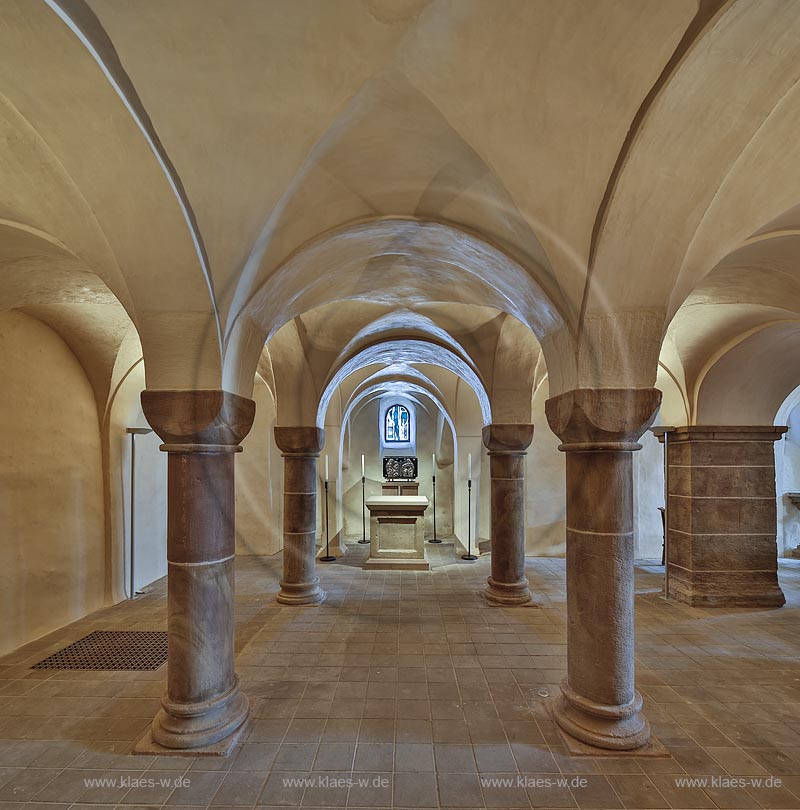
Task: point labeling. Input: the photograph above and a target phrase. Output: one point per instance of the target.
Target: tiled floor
(407, 690)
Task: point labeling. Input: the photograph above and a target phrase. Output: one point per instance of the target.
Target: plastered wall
(648, 495)
(150, 492)
(259, 482)
(545, 526)
(787, 475)
(365, 438)
(51, 496)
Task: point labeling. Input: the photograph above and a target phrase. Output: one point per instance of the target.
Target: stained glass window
(397, 427)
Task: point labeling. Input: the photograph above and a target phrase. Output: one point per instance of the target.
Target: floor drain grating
(112, 649)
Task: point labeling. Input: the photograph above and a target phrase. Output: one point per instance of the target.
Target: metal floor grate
(112, 649)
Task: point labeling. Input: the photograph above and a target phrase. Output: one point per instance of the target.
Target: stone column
(599, 428)
(723, 516)
(300, 447)
(507, 445)
(203, 710)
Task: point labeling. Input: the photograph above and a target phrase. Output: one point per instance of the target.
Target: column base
(613, 728)
(209, 728)
(726, 589)
(300, 593)
(507, 593)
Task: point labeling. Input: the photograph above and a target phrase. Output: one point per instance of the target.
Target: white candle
(326, 468)
(362, 465)
(469, 461)
(433, 463)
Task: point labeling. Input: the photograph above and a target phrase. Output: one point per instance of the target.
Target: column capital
(200, 421)
(592, 419)
(510, 438)
(660, 431)
(727, 433)
(300, 440)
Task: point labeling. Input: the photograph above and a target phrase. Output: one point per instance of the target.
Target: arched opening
(398, 428)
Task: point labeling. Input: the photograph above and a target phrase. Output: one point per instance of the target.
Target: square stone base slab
(375, 564)
(578, 748)
(489, 603)
(147, 746)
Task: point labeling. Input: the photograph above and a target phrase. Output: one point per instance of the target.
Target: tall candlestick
(326, 468)
(469, 460)
(362, 465)
(435, 539)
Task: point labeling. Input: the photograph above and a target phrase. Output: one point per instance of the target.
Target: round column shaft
(203, 707)
(300, 447)
(507, 445)
(599, 429)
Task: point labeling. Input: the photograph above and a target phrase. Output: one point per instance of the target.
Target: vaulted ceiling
(214, 170)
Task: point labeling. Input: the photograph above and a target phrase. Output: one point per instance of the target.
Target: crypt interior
(400, 404)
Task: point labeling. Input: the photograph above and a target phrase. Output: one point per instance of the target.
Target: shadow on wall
(52, 558)
(150, 551)
(545, 482)
(259, 482)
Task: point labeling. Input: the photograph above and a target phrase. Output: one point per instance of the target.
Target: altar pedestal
(397, 537)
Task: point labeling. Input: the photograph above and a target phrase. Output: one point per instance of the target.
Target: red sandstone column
(203, 708)
(599, 428)
(300, 447)
(507, 445)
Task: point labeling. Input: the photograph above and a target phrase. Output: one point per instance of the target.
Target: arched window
(397, 425)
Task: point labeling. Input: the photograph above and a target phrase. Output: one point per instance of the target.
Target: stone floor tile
(454, 758)
(637, 791)
(199, 790)
(240, 789)
(415, 790)
(679, 795)
(335, 756)
(391, 664)
(374, 757)
(283, 789)
(26, 783)
(460, 790)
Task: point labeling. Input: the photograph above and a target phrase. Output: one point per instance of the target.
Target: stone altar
(397, 537)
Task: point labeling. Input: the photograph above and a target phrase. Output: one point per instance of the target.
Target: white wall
(648, 495)
(150, 540)
(545, 519)
(52, 559)
(787, 479)
(259, 482)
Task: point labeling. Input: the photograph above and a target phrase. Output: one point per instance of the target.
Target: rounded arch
(439, 433)
(399, 262)
(745, 312)
(376, 389)
(401, 353)
(746, 386)
(141, 243)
